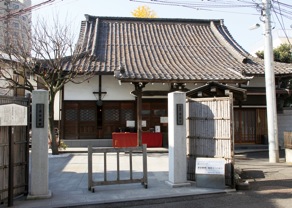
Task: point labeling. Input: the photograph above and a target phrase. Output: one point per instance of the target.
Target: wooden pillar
(139, 117)
(138, 91)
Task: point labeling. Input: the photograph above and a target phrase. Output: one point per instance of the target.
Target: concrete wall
(284, 124)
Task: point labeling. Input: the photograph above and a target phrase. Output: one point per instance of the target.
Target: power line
(203, 4)
(280, 9)
(281, 22)
(19, 12)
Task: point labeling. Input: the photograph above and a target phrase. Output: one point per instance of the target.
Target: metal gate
(14, 155)
(210, 133)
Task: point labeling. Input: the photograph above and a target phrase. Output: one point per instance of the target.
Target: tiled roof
(206, 90)
(161, 50)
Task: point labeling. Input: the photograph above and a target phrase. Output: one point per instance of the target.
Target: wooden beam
(138, 91)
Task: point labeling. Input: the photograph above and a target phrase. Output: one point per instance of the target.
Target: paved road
(270, 187)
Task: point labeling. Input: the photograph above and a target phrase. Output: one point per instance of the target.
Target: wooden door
(115, 116)
(152, 111)
(250, 125)
(87, 120)
(261, 126)
(71, 120)
(80, 120)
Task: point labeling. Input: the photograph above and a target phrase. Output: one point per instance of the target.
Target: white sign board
(210, 166)
(163, 119)
(130, 123)
(13, 115)
(144, 124)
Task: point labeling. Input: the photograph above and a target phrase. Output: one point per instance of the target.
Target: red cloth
(125, 139)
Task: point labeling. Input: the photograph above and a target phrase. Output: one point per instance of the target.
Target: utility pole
(270, 86)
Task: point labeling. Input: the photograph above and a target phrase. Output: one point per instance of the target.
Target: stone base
(33, 197)
(210, 181)
(176, 185)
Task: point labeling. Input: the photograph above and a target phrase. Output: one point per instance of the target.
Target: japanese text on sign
(210, 166)
(13, 115)
(179, 114)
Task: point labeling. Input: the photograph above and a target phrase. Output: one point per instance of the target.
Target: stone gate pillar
(177, 139)
(39, 176)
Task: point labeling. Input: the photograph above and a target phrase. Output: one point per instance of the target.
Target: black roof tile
(160, 50)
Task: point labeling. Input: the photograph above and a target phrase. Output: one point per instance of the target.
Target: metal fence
(92, 183)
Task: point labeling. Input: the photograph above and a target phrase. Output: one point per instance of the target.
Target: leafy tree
(144, 12)
(281, 54)
(50, 55)
(260, 54)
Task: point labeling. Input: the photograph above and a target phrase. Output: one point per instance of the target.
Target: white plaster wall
(167, 86)
(256, 82)
(157, 86)
(114, 90)
(84, 91)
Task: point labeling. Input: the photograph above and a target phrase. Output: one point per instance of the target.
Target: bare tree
(49, 54)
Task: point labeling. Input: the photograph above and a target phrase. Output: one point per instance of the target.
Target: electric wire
(281, 10)
(281, 22)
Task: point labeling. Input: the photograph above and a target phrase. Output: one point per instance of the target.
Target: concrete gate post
(39, 177)
(177, 140)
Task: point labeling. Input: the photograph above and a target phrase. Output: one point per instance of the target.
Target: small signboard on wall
(13, 115)
(144, 124)
(210, 166)
(130, 123)
(164, 119)
(210, 172)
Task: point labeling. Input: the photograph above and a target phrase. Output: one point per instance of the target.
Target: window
(112, 114)
(71, 115)
(87, 115)
(16, 24)
(15, 6)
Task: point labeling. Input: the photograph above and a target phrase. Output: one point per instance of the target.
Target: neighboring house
(13, 28)
(3, 88)
(158, 56)
(5, 68)
(279, 37)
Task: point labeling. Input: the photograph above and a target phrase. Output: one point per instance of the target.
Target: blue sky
(238, 21)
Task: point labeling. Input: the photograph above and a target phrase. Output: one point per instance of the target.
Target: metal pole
(270, 86)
